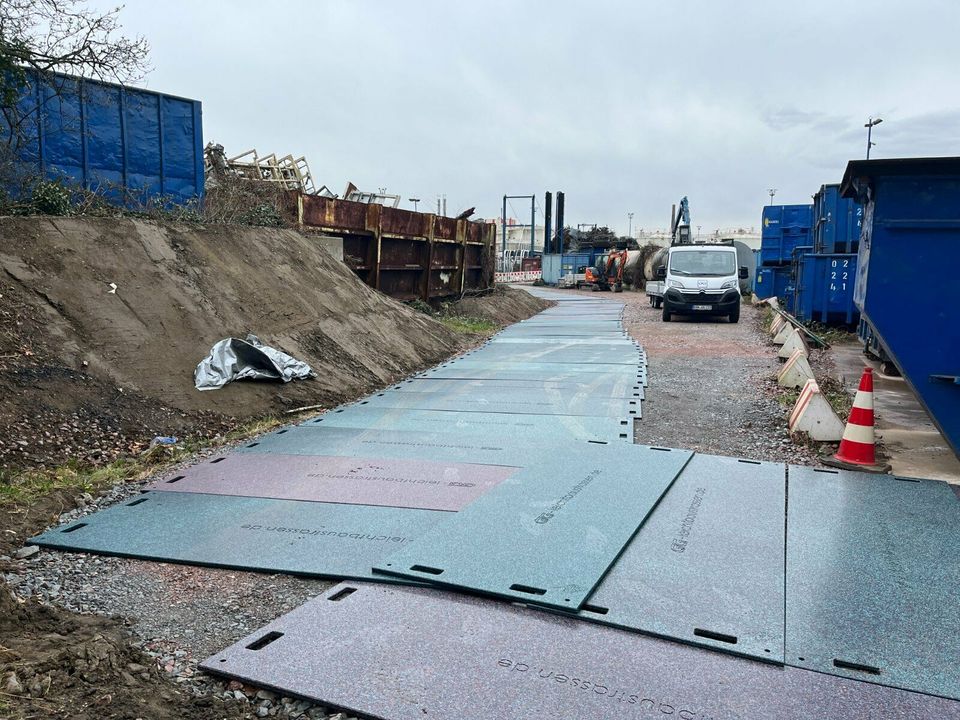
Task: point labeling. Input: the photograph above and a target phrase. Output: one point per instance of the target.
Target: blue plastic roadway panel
(413, 653)
(531, 443)
(873, 579)
(569, 342)
(707, 565)
(541, 353)
(355, 481)
(518, 403)
(543, 368)
(496, 429)
(548, 372)
(248, 533)
(563, 334)
(596, 386)
(547, 534)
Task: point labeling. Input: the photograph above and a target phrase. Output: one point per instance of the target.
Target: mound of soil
(89, 374)
(55, 664)
(502, 306)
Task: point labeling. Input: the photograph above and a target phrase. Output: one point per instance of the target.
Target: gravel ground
(711, 390)
(712, 386)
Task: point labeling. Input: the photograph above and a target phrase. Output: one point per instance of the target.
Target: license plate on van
(703, 307)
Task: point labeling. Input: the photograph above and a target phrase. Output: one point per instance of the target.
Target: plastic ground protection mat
(595, 387)
(401, 653)
(495, 429)
(547, 534)
(535, 403)
(546, 372)
(873, 579)
(378, 442)
(418, 484)
(707, 565)
(301, 538)
(545, 353)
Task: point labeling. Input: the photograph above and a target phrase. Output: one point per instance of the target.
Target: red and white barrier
(517, 277)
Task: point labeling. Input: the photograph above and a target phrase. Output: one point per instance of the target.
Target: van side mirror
(662, 273)
(743, 274)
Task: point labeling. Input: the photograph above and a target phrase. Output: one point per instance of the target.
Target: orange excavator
(607, 274)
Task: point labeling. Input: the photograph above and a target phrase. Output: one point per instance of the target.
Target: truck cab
(700, 279)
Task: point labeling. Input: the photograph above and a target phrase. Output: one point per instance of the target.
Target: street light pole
(414, 201)
(869, 126)
(630, 225)
(771, 192)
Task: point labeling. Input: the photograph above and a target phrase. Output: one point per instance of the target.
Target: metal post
(869, 126)
(503, 226)
(630, 225)
(533, 221)
(547, 218)
(560, 225)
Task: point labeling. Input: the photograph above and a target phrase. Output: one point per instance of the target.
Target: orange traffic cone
(858, 445)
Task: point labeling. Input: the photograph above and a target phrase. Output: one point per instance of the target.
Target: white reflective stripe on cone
(859, 433)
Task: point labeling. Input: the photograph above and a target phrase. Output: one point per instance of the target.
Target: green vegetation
(463, 324)
(468, 325)
(24, 486)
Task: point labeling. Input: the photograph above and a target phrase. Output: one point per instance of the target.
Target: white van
(698, 280)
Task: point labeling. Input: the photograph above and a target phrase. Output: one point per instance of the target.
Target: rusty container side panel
(444, 283)
(446, 255)
(402, 253)
(474, 257)
(394, 221)
(411, 265)
(475, 280)
(358, 251)
(401, 284)
(445, 228)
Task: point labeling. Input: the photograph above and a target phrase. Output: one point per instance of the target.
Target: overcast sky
(625, 106)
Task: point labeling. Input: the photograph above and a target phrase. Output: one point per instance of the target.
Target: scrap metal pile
(521, 557)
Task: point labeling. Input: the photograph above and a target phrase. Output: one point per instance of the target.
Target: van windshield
(709, 263)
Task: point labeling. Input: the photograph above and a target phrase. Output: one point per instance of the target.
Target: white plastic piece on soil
(814, 416)
(794, 342)
(796, 372)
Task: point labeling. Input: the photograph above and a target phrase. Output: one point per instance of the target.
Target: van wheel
(665, 315)
(735, 315)
(658, 303)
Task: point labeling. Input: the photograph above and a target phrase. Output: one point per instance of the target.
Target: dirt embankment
(87, 374)
(503, 306)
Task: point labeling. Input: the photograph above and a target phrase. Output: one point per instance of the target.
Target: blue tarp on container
(909, 255)
(135, 146)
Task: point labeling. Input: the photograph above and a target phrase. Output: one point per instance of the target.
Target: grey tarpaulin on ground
(234, 359)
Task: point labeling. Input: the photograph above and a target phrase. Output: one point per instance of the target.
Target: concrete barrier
(814, 416)
(795, 341)
(778, 322)
(796, 372)
(783, 334)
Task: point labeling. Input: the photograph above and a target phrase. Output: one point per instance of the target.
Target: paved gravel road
(712, 386)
